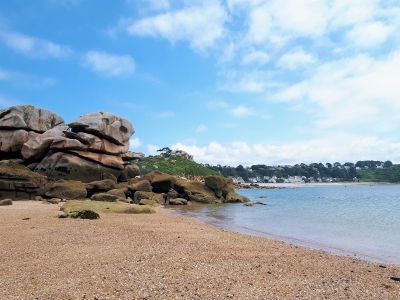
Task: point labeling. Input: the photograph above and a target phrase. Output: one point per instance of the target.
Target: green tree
(166, 152)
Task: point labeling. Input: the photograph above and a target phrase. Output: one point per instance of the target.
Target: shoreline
(164, 256)
(324, 184)
(183, 211)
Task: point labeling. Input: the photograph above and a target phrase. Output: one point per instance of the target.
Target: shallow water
(361, 221)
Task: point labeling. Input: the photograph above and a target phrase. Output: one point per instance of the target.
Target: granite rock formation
(19, 124)
(18, 182)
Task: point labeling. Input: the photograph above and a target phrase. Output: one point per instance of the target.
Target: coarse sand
(163, 256)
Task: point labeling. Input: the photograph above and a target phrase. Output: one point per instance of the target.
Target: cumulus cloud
(256, 57)
(367, 35)
(247, 82)
(109, 65)
(350, 91)
(201, 128)
(243, 111)
(200, 25)
(295, 59)
(135, 143)
(329, 149)
(34, 47)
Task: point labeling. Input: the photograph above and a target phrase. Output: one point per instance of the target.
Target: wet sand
(163, 256)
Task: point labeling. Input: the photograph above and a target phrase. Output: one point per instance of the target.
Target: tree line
(341, 172)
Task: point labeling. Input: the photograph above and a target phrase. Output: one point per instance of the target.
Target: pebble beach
(163, 256)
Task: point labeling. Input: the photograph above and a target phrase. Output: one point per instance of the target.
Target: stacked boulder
(94, 149)
(19, 124)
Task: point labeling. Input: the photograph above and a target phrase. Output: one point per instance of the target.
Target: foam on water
(361, 221)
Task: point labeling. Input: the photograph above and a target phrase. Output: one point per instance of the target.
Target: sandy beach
(163, 256)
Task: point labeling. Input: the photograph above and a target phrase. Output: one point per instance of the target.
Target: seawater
(358, 221)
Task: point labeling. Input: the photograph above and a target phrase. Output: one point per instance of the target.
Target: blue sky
(231, 82)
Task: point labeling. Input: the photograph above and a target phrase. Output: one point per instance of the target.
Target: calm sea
(359, 221)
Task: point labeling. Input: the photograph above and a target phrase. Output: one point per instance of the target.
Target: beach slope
(162, 256)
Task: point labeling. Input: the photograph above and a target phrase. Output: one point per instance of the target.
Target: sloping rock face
(18, 182)
(19, 124)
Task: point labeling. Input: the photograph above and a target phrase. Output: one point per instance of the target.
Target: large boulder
(114, 195)
(29, 118)
(143, 186)
(142, 195)
(101, 185)
(12, 141)
(88, 142)
(61, 165)
(132, 170)
(37, 147)
(107, 160)
(197, 191)
(229, 193)
(67, 189)
(162, 183)
(216, 183)
(105, 125)
(18, 182)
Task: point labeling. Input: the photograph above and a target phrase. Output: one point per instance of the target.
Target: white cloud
(248, 82)
(295, 59)
(200, 25)
(256, 57)
(201, 128)
(152, 149)
(34, 47)
(110, 65)
(341, 148)
(243, 111)
(135, 143)
(368, 34)
(351, 91)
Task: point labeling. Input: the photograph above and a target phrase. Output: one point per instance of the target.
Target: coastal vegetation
(173, 165)
(181, 165)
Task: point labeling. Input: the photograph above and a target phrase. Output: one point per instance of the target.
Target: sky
(228, 81)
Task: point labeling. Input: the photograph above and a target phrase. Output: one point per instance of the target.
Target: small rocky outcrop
(178, 201)
(18, 182)
(67, 189)
(6, 202)
(114, 195)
